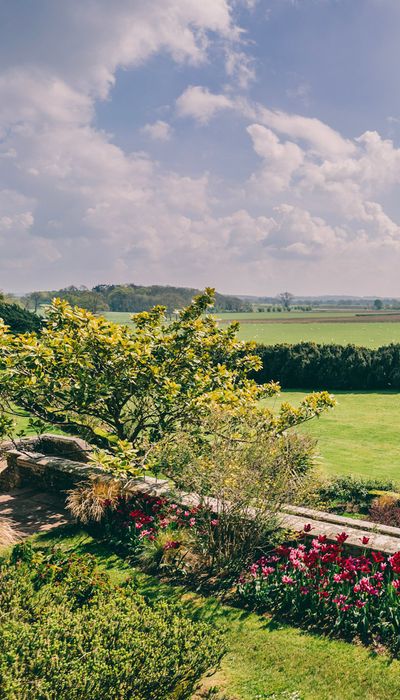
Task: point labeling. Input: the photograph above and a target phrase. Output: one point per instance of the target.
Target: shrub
(58, 645)
(313, 366)
(322, 587)
(243, 473)
(351, 493)
(20, 320)
(386, 510)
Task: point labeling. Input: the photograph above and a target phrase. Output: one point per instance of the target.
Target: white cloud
(78, 208)
(86, 42)
(280, 160)
(201, 104)
(158, 131)
(299, 234)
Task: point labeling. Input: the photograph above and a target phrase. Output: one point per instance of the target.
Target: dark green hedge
(19, 320)
(312, 366)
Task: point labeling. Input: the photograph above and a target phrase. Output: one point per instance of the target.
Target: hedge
(20, 320)
(313, 366)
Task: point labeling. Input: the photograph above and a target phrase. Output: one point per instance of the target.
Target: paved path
(32, 510)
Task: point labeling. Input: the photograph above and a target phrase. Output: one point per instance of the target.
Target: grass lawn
(360, 436)
(265, 660)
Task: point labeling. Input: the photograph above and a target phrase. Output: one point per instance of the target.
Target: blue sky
(253, 146)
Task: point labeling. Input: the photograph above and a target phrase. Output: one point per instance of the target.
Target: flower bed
(321, 586)
(136, 521)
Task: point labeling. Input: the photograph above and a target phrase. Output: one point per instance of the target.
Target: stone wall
(53, 461)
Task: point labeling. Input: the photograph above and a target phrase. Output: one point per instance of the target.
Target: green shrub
(352, 492)
(19, 320)
(310, 365)
(61, 641)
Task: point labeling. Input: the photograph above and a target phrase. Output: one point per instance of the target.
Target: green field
(266, 328)
(360, 436)
(265, 659)
(371, 335)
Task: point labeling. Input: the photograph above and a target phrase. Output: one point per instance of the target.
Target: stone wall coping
(354, 523)
(25, 459)
(381, 537)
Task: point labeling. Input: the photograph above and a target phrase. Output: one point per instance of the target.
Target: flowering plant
(135, 522)
(322, 586)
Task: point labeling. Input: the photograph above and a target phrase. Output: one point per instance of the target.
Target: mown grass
(265, 659)
(360, 436)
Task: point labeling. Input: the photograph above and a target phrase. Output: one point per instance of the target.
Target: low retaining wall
(23, 467)
(55, 461)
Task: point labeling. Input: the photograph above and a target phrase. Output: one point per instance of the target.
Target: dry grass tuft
(90, 500)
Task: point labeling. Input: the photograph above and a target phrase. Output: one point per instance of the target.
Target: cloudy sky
(250, 145)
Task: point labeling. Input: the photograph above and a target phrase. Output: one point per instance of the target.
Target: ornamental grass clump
(88, 502)
(323, 587)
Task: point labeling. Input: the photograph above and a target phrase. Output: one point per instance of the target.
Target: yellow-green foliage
(127, 388)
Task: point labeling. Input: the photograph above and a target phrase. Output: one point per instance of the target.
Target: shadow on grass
(199, 607)
(208, 609)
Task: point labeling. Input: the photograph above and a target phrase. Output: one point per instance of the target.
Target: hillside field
(360, 436)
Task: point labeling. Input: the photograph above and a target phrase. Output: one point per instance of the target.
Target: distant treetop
(131, 298)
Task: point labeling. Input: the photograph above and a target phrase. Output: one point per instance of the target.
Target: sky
(249, 145)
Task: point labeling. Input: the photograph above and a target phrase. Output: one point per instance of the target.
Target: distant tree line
(313, 367)
(130, 298)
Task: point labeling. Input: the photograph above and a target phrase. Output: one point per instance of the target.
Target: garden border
(61, 474)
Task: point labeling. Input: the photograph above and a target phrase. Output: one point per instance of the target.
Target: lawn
(265, 660)
(360, 436)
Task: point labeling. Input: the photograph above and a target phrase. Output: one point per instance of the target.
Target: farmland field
(320, 327)
(360, 436)
(371, 335)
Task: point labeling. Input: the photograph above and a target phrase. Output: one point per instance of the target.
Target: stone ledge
(60, 474)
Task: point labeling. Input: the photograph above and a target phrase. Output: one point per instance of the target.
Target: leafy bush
(19, 320)
(351, 493)
(386, 510)
(314, 366)
(322, 587)
(130, 388)
(243, 472)
(243, 466)
(67, 634)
